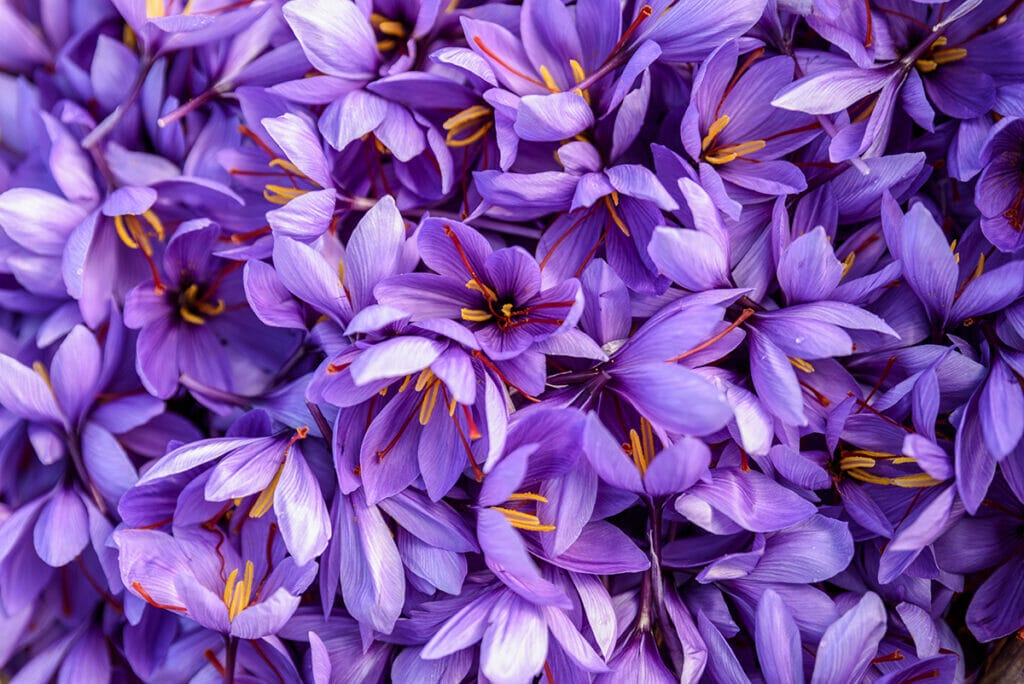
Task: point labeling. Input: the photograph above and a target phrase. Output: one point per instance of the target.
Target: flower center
(238, 594)
(641, 445)
(522, 520)
(723, 154)
(857, 462)
(934, 58)
(265, 500)
(391, 34)
(468, 126)
(194, 304)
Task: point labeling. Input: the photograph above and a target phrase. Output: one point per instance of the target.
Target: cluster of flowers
(366, 340)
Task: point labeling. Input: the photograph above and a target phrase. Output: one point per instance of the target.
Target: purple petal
(752, 500)
(678, 467)
(553, 117)
(335, 36)
(300, 509)
(25, 394)
(515, 642)
(62, 531)
(808, 268)
(997, 608)
(778, 641)
(507, 558)
(690, 258)
(832, 90)
(846, 649)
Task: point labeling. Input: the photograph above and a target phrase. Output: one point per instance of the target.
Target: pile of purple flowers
(609, 341)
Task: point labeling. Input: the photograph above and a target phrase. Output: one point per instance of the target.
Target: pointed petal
(849, 644)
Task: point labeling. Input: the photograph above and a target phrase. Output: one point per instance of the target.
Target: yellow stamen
(405, 383)
(189, 317)
(463, 121)
(391, 28)
(980, 268)
(523, 521)
(579, 75)
(883, 455)
(865, 476)
(918, 480)
(506, 310)
(853, 462)
(545, 76)
(279, 194)
(386, 45)
(425, 377)
(155, 8)
(451, 408)
(123, 233)
(615, 215)
(713, 131)
(242, 593)
(487, 292)
(429, 401)
(640, 459)
(527, 496)
(800, 364)
(39, 368)
(647, 438)
(475, 315)
(266, 498)
(949, 55)
(229, 587)
(577, 71)
(289, 167)
(154, 223)
(724, 155)
(466, 116)
(128, 37)
(211, 309)
(848, 263)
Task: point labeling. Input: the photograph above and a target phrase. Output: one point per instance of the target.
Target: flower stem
(229, 660)
(114, 118)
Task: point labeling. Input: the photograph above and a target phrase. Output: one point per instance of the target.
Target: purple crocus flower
(641, 387)
(979, 542)
(220, 588)
(197, 306)
(271, 468)
(77, 402)
(516, 637)
(999, 195)
(735, 136)
(497, 294)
